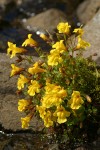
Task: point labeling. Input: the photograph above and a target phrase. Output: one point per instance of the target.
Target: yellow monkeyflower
(33, 88)
(59, 46)
(50, 100)
(63, 27)
(42, 111)
(15, 70)
(53, 95)
(79, 31)
(61, 114)
(76, 100)
(49, 87)
(35, 69)
(82, 43)
(55, 89)
(25, 122)
(13, 50)
(48, 119)
(21, 81)
(54, 59)
(22, 104)
(29, 41)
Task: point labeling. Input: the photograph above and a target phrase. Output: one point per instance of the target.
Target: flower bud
(88, 98)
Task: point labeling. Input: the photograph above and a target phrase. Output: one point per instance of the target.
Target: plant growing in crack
(62, 88)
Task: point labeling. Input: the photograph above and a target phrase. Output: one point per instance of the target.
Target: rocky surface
(46, 20)
(87, 9)
(4, 2)
(92, 35)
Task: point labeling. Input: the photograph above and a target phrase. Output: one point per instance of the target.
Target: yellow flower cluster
(47, 94)
(81, 43)
(53, 95)
(55, 54)
(53, 98)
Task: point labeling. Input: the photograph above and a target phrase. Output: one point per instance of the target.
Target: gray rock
(87, 10)
(92, 35)
(9, 114)
(47, 20)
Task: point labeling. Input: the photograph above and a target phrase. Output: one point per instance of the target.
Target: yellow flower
(48, 119)
(59, 46)
(63, 27)
(55, 89)
(35, 69)
(15, 70)
(29, 41)
(13, 50)
(50, 100)
(61, 114)
(44, 37)
(41, 110)
(54, 59)
(82, 43)
(21, 81)
(76, 100)
(53, 95)
(79, 31)
(33, 88)
(25, 122)
(22, 104)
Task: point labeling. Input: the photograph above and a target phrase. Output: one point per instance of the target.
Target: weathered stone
(87, 10)
(92, 35)
(4, 2)
(47, 20)
(9, 114)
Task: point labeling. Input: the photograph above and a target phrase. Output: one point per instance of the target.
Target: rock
(47, 20)
(3, 2)
(92, 35)
(87, 10)
(9, 115)
(26, 141)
